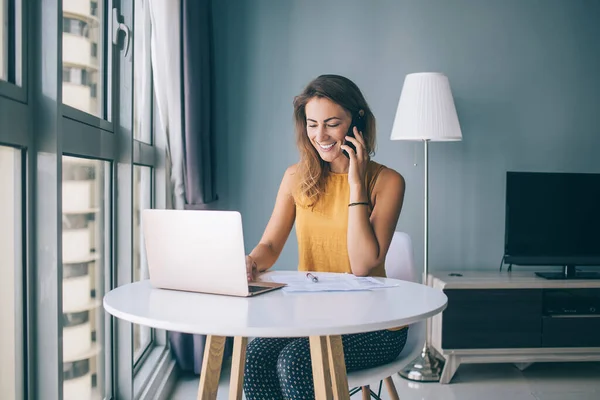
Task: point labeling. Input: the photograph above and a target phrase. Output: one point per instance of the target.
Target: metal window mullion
(83, 140)
(11, 91)
(109, 276)
(86, 118)
(159, 190)
(144, 154)
(123, 113)
(153, 332)
(14, 123)
(108, 62)
(44, 172)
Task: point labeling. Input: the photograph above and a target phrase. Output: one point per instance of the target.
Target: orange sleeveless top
(322, 230)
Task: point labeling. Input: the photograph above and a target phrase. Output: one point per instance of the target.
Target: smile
(327, 146)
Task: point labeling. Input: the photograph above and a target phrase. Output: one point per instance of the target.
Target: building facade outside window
(82, 55)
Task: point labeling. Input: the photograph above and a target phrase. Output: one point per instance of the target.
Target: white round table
(321, 316)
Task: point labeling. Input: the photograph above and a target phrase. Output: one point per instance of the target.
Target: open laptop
(198, 251)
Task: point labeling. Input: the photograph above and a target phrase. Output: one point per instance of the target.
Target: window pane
(10, 41)
(4, 40)
(142, 88)
(82, 56)
(11, 307)
(142, 199)
(84, 268)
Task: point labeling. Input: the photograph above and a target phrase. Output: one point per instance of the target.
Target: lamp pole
(426, 367)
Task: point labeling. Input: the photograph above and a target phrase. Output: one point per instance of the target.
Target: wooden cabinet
(498, 318)
(515, 317)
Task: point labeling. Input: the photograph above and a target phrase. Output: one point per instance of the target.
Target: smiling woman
(323, 114)
(345, 207)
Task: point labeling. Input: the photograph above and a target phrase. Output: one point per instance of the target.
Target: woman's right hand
(251, 268)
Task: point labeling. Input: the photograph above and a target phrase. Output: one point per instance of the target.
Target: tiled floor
(543, 381)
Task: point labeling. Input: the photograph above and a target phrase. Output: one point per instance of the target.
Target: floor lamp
(426, 112)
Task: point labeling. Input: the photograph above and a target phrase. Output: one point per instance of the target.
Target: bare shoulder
(389, 187)
(289, 178)
(291, 170)
(390, 179)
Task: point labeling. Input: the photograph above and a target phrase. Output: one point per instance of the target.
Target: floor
(542, 381)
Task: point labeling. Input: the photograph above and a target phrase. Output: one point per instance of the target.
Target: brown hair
(312, 170)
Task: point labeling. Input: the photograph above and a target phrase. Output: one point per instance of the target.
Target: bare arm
(369, 238)
(279, 227)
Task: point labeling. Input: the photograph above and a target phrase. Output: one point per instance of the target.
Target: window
(11, 48)
(94, 8)
(11, 281)
(76, 27)
(84, 269)
(142, 85)
(4, 40)
(142, 199)
(71, 187)
(76, 76)
(142, 175)
(83, 55)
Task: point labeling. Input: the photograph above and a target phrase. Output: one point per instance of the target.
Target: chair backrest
(399, 261)
(399, 264)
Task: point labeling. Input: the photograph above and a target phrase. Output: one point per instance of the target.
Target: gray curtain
(197, 86)
(198, 144)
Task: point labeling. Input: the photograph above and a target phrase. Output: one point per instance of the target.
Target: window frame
(107, 68)
(44, 130)
(16, 86)
(146, 154)
(137, 364)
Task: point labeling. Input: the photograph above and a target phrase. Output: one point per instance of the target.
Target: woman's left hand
(358, 159)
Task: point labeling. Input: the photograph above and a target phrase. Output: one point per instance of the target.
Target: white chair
(399, 264)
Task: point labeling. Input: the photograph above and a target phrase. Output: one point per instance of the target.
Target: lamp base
(424, 368)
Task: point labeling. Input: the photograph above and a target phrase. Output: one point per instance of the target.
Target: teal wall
(524, 73)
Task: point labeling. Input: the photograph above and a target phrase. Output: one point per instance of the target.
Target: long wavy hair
(312, 170)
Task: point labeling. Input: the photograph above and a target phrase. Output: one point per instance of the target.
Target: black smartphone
(359, 122)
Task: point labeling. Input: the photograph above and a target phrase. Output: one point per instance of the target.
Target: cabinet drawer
(492, 318)
(571, 331)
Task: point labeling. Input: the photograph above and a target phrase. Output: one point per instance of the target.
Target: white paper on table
(328, 283)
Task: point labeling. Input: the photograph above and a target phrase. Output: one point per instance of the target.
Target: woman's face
(326, 125)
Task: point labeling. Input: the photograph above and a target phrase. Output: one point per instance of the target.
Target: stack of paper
(328, 283)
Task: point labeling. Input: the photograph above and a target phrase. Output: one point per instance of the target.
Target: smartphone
(359, 122)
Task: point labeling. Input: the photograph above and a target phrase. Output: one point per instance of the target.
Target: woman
(345, 208)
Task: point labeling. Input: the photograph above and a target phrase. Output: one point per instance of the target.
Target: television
(553, 219)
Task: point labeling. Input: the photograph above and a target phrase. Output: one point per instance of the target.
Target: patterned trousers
(280, 368)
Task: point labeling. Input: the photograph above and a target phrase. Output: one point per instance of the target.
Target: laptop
(198, 251)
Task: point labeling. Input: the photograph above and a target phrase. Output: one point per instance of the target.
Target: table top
(276, 313)
(504, 280)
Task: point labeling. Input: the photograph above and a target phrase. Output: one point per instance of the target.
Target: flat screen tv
(553, 219)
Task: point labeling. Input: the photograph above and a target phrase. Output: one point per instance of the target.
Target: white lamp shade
(426, 109)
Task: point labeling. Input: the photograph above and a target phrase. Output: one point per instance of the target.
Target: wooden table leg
(366, 392)
(238, 363)
(337, 365)
(391, 388)
(211, 367)
(320, 367)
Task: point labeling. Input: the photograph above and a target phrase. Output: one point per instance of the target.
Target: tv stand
(569, 272)
(514, 317)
